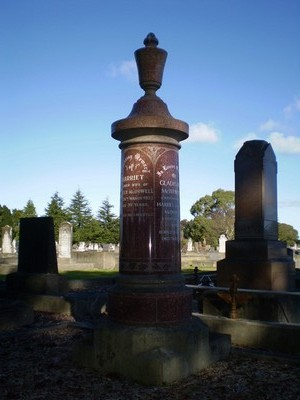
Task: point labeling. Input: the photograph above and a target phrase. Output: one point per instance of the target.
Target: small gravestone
(37, 263)
(7, 240)
(222, 243)
(256, 255)
(189, 245)
(65, 240)
(81, 246)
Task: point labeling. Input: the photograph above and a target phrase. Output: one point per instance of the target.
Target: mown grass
(72, 275)
(88, 274)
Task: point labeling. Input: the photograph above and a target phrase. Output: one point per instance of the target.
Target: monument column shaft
(150, 288)
(150, 335)
(150, 220)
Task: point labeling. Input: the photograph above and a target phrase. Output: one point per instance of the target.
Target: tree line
(102, 228)
(213, 215)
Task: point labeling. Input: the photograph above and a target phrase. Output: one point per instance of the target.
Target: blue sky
(67, 72)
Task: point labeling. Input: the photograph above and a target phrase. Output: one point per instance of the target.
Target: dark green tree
(201, 229)
(5, 216)
(57, 210)
(16, 215)
(213, 216)
(109, 223)
(29, 210)
(287, 234)
(91, 232)
(80, 216)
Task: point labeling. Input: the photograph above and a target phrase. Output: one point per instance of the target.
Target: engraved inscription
(137, 194)
(150, 223)
(168, 194)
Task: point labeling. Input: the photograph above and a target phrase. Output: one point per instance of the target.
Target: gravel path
(36, 363)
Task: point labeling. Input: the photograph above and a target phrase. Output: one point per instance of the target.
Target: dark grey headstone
(256, 255)
(256, 192)
(37, 252)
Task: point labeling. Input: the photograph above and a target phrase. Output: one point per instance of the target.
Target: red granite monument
(256, 256)
(150, 335)
(150, 289)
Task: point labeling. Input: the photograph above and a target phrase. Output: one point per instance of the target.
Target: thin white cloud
(239, 143)
(285, 144)
(125, 69)
(269, 125)
(292, 108)
(280, 143)
(289, 203)
(205, 133)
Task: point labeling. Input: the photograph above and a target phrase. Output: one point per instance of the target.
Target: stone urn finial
(150, 63)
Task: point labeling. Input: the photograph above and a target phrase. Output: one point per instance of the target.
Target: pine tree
(80, 216)
(109, 223)
(29, 210)
(57, 211)
(16, 215)
(5, 216)
(105, 215)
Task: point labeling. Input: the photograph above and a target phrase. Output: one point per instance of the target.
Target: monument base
(150, 300)
(258, 264)
(37, 283)
(151, 355)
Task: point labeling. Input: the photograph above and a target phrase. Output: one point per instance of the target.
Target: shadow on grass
(89, 274)
(95, 274)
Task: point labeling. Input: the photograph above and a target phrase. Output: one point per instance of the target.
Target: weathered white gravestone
(81, 246)
(189, 245)
(65, 240)
(222, 243)
(7, 240)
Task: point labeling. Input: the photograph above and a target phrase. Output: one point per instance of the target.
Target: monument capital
(150, 119)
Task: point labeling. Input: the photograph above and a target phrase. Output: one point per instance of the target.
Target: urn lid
(150, 112)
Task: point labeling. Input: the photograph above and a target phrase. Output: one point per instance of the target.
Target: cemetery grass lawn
(36, 364)
(112, 274)
(73, 275)
(89, 274)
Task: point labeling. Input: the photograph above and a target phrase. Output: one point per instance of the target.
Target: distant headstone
(7, 240)
(256, 256)
(65, 240)
(15, 246)
(81, 246)
(108, 247)
(222, 243)
(189, 245)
